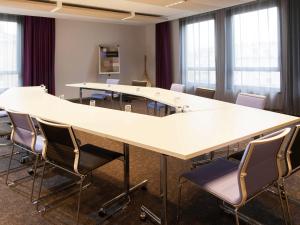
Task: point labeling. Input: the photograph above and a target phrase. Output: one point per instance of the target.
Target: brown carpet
(199, 208)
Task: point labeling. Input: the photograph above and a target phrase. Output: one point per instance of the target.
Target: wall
(76, 57)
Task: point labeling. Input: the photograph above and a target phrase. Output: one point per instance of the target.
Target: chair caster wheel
(102, 212)
(143, 216)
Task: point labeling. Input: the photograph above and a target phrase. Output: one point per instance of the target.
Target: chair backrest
(251, 100)
(140, 83)
(259, 167)
(61, 147)
(206, 93)
(112, 81)
(293, 152)
(23, 132)
(177, 87)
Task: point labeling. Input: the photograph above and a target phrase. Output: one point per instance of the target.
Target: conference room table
(180, 135)
(182, 102)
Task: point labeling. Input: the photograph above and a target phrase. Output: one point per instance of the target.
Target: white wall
(76, 58)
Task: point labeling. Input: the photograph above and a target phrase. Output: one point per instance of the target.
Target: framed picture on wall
(109, 59)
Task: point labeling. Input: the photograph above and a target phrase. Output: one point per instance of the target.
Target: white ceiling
(153, 7)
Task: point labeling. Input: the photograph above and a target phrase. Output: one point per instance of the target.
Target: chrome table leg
(107, 208)
(164, 195)
(80, 95)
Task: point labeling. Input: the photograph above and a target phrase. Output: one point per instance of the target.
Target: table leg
(155, 108)
(121, 101)
(80, 95)
(164, 195)
(108, 209)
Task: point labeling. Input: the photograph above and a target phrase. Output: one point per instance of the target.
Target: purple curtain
(163, 55)
(39, 52)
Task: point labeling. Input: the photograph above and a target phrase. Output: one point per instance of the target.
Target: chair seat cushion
(219, 178)
(92, 157)
(3, 114)
(99, 96)
(159, 105)
(5, 129)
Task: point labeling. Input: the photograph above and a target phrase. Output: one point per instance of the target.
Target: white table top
(168, 97)
(181, 135)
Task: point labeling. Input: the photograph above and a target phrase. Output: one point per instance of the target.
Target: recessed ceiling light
(175, 3)
(58, 6)
(129, 17)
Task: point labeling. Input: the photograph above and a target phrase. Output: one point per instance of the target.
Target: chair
(62, 151)
(291, 165)
(158, 105)
(251, 100)
(101, 95)
(237, 183)
(25, 137)
(137, 83)
(205, 93)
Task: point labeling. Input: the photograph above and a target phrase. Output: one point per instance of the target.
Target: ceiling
(116, 11)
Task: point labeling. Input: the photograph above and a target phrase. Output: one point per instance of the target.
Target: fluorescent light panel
(58, 6)
(175, 3)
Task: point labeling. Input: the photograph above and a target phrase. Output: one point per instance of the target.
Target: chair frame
(82, 177)
(290, 171)
(30, 150)
(242, 177)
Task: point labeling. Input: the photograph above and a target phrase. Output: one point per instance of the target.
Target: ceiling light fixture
(176, 3)
(58, 6)
(129, 17)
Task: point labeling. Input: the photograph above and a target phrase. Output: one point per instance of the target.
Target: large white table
(181, 135)
(182, 102)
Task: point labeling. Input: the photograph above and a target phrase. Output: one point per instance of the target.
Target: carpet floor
(198, 207)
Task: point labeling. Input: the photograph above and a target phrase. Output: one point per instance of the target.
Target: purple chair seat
(219, 178)
(3, 114)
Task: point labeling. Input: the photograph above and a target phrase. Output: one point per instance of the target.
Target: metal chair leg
(34, 176)
(237, 221)
(286, 197)
(79, 199)
(40, 188)
(9, 164)
(281, 203)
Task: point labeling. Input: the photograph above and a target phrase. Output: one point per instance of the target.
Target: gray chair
(101, 95)
(291, 165)
(205, 92)
(251, 100)
(158, 105)
(25, 137)
(62, 151)
(237, 183)
(137, 83)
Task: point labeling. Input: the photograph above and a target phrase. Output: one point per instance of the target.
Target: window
(199, 54)
(255, 50)
(9, 54)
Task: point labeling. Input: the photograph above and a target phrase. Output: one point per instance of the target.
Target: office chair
(290, 166)
(158, 105)
(205, 93)
(238, 183)
(137, 83)
(251, 100)
(24, 136)
(62, 151)
(101, 95)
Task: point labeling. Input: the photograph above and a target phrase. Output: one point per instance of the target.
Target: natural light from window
(256, 50)
(9, 75)
(200, 54)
